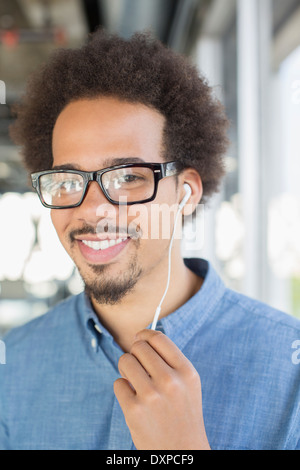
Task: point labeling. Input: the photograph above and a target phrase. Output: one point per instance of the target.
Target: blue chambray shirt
(56, 389)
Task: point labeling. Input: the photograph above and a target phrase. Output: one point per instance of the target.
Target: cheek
(60, 220)
(155, 222)
(139, 221)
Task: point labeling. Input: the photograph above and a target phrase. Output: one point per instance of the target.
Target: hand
(160, 395)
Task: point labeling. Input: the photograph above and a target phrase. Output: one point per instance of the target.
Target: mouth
(101, 251)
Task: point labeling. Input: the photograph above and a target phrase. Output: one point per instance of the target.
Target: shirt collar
(182, 324)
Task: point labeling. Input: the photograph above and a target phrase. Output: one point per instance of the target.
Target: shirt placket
(119, 434)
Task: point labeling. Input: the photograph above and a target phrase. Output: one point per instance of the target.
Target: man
(108, 132)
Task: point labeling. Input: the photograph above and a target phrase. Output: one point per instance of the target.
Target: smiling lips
(104, 244)
(101, 251)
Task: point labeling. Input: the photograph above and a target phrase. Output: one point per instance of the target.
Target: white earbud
(188, 192)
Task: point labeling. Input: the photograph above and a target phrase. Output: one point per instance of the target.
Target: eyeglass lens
(65, 189)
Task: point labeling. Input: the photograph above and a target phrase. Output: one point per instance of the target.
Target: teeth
(102, 245)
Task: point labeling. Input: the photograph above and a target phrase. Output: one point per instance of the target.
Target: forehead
(89, 132)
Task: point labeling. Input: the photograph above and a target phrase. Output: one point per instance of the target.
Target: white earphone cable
(157, 312)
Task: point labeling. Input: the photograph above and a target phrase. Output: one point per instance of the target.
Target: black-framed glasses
(132, 183)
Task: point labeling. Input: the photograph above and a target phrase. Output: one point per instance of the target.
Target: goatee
(102, 288)
(107, 291)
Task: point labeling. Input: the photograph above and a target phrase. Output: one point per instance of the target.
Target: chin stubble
(100, 285)
(108, 290)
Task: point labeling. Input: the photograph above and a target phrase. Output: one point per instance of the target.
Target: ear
(193, 179)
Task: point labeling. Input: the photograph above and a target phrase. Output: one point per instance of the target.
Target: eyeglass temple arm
(170, 169)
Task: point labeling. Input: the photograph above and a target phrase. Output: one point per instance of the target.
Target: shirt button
(94, 343)
(98, 329)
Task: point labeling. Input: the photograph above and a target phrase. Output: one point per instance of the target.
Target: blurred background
(249, 50)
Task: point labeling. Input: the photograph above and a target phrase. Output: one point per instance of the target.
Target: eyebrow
(106, 164)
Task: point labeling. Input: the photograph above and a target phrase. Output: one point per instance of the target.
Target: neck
(136, 310)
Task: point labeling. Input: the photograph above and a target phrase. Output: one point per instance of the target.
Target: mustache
(133, 231)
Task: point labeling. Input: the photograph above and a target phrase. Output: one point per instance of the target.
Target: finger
(169, 352)
(124, 393)
(150, 359)
(131, 369)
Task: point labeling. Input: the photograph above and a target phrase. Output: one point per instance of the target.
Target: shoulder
(255, 311)
(266, 345)
(264, 337)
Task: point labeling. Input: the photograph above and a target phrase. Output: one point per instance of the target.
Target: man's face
(90, 135)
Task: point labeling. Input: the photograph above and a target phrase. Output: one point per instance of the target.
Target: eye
(53, 186)
(130, 178)
(69, 186)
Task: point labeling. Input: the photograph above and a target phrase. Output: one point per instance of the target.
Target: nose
(91, 206)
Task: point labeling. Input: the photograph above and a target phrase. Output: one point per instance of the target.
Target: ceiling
(31, 29)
